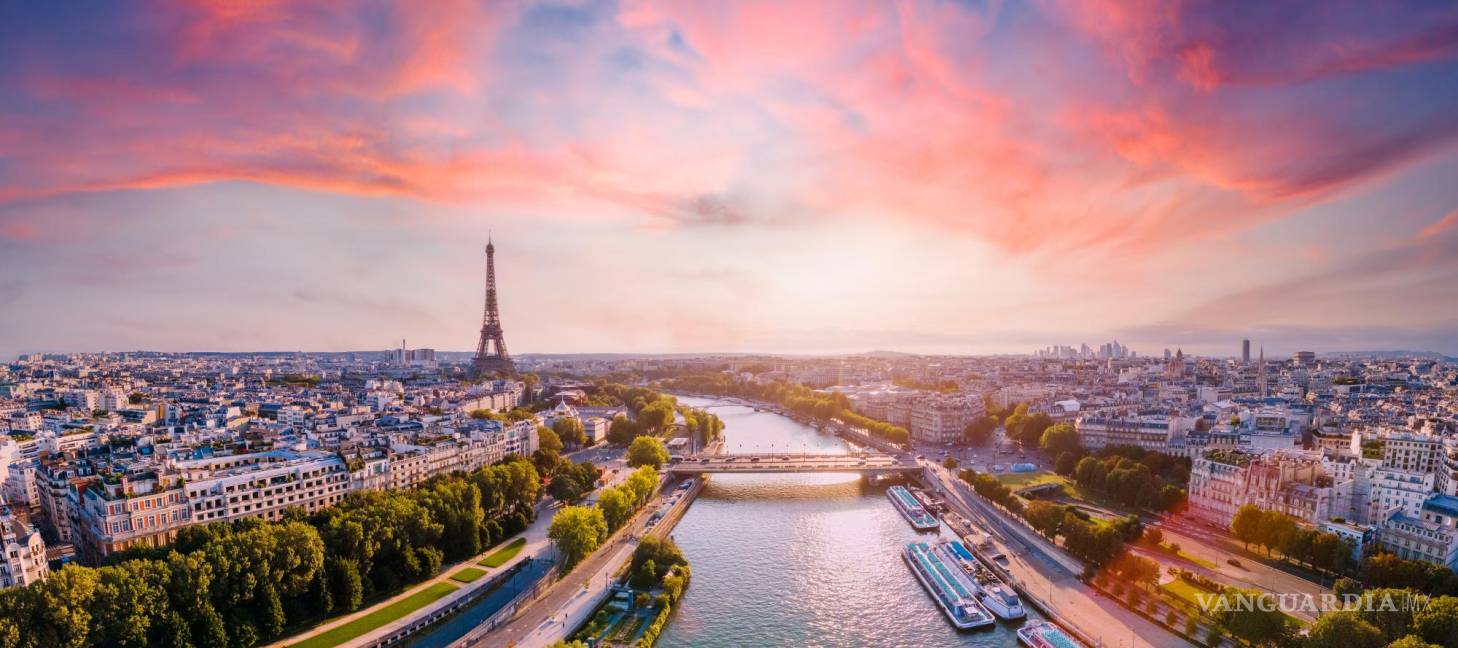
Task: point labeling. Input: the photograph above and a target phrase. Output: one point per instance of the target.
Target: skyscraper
(1245, 351)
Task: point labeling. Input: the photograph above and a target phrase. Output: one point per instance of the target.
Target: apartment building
(1217, 485)
(1430, 536)
(1222, 481)
(118, 512)
(265, 485)
(942, 419)
(24, 559)
(1150, 432)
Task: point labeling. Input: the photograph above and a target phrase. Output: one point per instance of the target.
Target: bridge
(795, 463)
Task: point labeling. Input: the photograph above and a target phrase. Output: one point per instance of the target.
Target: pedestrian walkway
(446, 592)
(562, 609)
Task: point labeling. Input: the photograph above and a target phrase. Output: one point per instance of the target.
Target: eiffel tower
(491, 357)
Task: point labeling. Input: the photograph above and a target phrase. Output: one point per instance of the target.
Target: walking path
(567, 604)
(1043, 571)
(536, 536)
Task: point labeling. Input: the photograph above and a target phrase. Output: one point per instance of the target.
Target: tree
(950, 463)
(1014, 422)
(570, 431)
(1250, 622)
(1032, 429)
(655, 417)
(1136, 569)
(1246, 524)
(128, 598)
(1412, 641)
(1065, 464)
(577, 531)
(622, 431)
(548, 440)
(1344, 587)
(980, 430)
(647, 451)
(1060, 438)
(1214, 637)
(1344, 629)
(62, 614)
(1154, 536)
(615, 506)
(565, 488)
(1438, 621)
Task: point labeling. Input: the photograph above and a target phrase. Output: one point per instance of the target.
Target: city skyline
(919, 177)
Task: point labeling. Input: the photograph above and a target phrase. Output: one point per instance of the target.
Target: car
(785, 458)
(921, 456)
(753, 459)
(1235, 563)
(702, 461)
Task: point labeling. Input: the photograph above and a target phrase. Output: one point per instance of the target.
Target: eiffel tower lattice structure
(491, 357)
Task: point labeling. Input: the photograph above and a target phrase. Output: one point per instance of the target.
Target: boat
(1041, 634)
(992, 593)
(950, 588)
(911, 509)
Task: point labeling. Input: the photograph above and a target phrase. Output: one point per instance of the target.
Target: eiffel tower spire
(491, 357)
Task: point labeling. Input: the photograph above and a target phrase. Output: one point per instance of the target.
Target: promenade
(1046, 573)
(537, 545)
(569, 601)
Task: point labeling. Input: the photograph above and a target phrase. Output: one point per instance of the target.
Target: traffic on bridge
(794, 463)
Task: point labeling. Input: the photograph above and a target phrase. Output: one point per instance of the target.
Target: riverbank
(552, 613)
(851, 434)
(803, 559)
(582, 611)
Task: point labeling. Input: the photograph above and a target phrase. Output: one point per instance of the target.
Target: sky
(783, 176)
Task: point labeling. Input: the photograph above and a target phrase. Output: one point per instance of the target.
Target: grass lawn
(1023, 480)
(1196, 559)
(500, 556)
(1184, 590)
(380, 617)
(467, 575)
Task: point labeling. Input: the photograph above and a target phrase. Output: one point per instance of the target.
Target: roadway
(1205, 543)
(550, 617)
(793, 463)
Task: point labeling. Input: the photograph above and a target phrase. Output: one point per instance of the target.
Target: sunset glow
(807, 177)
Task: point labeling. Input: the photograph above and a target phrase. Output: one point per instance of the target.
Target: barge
(911, 509)
(992, 593)
(948, 586)
(1041, 634)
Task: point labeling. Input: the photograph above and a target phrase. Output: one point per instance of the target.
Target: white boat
(992, 593)
(1041, 634)
(948, 586)
(911, 509)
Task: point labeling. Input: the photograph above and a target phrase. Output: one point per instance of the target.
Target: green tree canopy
(1060, 438)
(647, 451)
(570, 431)
(577, 531)
(548, 440)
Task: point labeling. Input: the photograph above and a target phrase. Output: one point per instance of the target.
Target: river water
(802, 560)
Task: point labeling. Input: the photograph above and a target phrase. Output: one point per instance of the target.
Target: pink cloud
(1443, 224)
(744, 112)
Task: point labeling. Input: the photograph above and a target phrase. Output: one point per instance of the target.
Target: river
(801, 560)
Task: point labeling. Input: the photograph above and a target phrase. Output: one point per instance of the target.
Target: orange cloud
(1441, 225)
